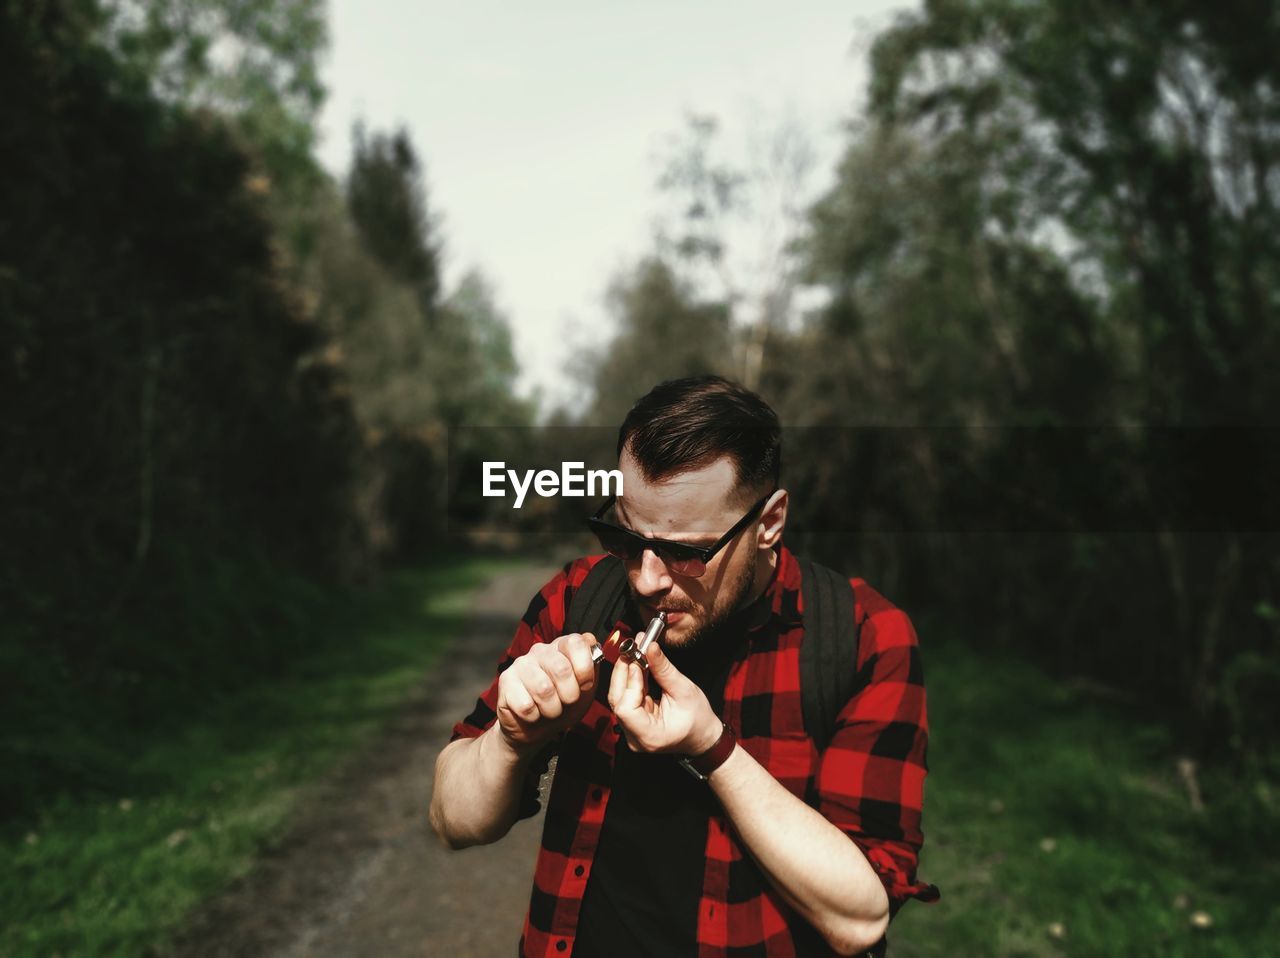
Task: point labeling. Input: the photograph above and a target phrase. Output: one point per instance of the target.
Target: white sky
(541, 127)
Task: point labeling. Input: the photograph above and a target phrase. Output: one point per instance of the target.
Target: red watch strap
(710, 760)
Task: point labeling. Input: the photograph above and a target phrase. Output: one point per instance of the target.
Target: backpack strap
(594, 606)
(829, 652)
(600, 601)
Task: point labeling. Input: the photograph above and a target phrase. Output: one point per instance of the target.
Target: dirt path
(360, 873)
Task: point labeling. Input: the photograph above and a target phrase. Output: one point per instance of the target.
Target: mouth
(673, 615)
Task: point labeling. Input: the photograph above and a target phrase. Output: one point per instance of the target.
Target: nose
(654, 579)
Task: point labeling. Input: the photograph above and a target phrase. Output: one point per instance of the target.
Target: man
(780, 850)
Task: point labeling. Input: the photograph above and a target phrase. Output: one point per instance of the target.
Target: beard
(708, 622)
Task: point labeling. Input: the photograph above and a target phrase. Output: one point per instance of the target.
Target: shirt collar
(773, 603)
(784, 591)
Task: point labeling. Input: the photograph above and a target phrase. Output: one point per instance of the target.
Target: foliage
(425, 367)
(254, 61)
(1056, 823)
(210, 379)
(387, 200)
(1056, 220)
(416, 355)
(730, 233)
(158, 397)
(1148, 136)
(1063, 215)
(663, 332)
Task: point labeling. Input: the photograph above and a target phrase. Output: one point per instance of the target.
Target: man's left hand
(681, 721)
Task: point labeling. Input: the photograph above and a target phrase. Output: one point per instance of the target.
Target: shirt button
(578, 871)
(561, 945)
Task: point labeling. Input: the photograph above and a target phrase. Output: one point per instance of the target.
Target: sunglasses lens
(628, 546)
(615, 541)
(683, 563)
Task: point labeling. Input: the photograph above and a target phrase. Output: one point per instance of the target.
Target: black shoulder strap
(600, 601)
(596, 604)
(829, 652)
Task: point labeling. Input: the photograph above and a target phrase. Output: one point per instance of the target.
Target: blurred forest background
(229, 379)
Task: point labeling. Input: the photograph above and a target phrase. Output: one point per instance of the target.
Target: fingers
(622, 685)
(530, 673)
(549, 678)
(517, 699)
(627, 691)
(670, 679)
(617, 683)
(577, 649)
(626, 687)
(557, 667)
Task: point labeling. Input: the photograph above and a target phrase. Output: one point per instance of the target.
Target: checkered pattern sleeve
(543, 621)
(871, 775)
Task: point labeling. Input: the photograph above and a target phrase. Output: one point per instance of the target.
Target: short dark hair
(685, 424)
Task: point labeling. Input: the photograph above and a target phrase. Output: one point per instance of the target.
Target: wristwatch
(701, 766)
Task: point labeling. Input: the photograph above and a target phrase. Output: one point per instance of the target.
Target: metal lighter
(616, 647)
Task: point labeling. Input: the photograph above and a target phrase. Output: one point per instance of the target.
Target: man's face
(697, 507)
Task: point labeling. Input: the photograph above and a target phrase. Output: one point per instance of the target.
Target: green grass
(1055, 824)
(114, 874)
(1058, 825)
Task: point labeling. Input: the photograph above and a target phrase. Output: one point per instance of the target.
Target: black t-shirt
(641, 900)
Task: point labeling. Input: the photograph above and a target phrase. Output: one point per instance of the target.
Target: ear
(772, 520)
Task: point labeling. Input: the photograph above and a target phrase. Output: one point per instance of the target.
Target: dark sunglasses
(680, 557)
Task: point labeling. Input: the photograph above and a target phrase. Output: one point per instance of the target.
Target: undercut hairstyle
(685, 424)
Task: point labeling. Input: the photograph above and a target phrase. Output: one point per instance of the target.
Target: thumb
(670, 679)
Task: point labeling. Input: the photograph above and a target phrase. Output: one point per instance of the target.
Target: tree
(381, 341)
(1144, 141)
(388, 203)
(475, 365)
(173, 453)
(256, 62)
(663, 333)
(1067, 213)
(732, 233)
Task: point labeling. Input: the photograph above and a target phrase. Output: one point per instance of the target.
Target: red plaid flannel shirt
(869, 782)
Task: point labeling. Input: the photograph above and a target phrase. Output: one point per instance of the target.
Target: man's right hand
(546, 690)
